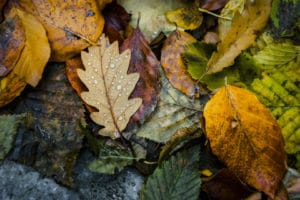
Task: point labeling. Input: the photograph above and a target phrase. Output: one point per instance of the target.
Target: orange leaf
(12, 41)
(173, 65)
(244, 135)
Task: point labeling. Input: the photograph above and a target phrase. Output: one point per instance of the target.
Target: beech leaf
(176, 178)
(146, 64)
(109, 85)
(251, 145)
(242, 34)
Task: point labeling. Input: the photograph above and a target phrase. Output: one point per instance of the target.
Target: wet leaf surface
(250, 145)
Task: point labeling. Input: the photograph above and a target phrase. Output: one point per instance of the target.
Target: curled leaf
(173, 64)
(213, 4)
(109, 86)
(242, 34)
(251, 145)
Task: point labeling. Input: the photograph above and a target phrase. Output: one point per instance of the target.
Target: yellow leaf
(244, 29)
(36, 52)
(109, 87)
(244, 135)
(186, 18)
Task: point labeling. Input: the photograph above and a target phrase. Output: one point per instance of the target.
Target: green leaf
(112, 158)
(174, 111)
(284, 16)
(177, 178)
(9, 126)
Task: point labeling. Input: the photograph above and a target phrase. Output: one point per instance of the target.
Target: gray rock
(22, 182)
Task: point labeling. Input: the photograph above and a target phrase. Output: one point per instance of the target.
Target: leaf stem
(213, 14)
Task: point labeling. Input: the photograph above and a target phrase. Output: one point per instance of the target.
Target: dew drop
(120, 118)
(119, 87)
(96, 70)
(88, 63)
(106, 66)
(95, 82)
(121, 77)
(112, 65)
(92, 77)
(119, 95)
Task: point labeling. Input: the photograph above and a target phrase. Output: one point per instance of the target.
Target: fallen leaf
(146, 64)
(53, 140)
(12, 41)
(242, 34)
(251, 145)
(71, 72)
(174, 111)
(2, 3)
(213, 4)
(187, 18)
(173, 64)
(284, 16)
(176, 178)
(109, 86)
(71, 25)
(11, 86)
(225, 185)
(9, 125)
(116, 20)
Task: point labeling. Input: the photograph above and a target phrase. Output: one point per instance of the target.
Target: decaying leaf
(225, 186)
(11, 86)
(9, 126)
(174, 111)
(2, 3)
(242, 34)
(173, 64)
(70, 25)
(116, 20)
(53, 140)
(109, 86)
(36, 52)
(244, 135)
(146, 64)
(187, 18)
(12, 41)
(213, 4)
(176, 178)
(284, 16)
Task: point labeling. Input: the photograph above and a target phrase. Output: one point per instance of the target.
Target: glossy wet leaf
(213, 4)
(109, 87)
(9, 126)
(71, 25)
(36, 52)
(174, 111)
(12, 41)
(284, 16)
(244, 29)
(173, 64)
(176, 178)
(144, 62)
(53, 140)
(251, 145)
(187, 18)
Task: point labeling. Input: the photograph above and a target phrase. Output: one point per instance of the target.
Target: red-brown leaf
(173, 65)
(213, 4)
(146, 64)
(116, 20)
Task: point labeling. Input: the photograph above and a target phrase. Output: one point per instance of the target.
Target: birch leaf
(109, 86)
(242, 34)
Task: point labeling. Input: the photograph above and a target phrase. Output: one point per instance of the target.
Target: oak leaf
(242, 34)
(173, 64)
(244, 135)
(109, 86)
(146, 64)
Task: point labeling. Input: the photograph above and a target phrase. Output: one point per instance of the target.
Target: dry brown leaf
(12, 41)
(244, 135)
(109, 86)
(244, 29)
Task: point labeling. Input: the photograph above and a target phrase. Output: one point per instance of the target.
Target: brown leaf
(244, 29)
(11, 86)
(173, 65)
(109, 86)
(213, 4)
(12, 41)
(71, 72)
(146, 64)
(244, 135)
(116, 20)
(70, 25)
(225, 185)
(2, 3)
